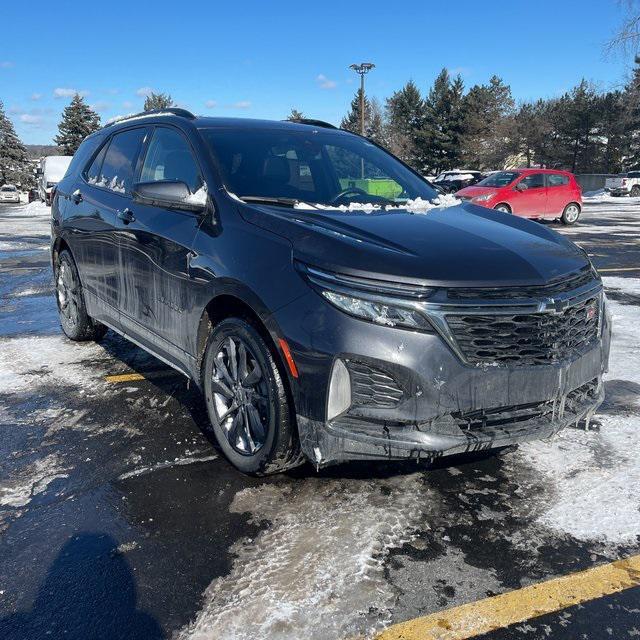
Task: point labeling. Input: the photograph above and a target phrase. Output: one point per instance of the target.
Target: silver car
(9, 193)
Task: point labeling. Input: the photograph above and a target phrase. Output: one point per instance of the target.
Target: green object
(384, 187)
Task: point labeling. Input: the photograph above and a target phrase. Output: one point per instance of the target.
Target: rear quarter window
(557, 180)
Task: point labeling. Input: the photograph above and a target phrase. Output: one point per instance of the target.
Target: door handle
(126, 215)
(76, 197)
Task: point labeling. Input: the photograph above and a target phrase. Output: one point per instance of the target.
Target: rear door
(532, 201)
(155, 250)
(559, 194)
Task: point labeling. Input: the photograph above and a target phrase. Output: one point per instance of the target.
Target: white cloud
(459, 71)
(100, 106)
(36, 96)
(27, 118)
(210, 104)
(241, 104)
(144, 91)
(113, 92)
(127, 105)
(62, 92)
(325, 83)
(6, 64)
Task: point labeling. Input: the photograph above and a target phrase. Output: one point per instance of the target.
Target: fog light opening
(339, 390)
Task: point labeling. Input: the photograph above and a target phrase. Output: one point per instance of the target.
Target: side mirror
(171, 194)
(521, 186)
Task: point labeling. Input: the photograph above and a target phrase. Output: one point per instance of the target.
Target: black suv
(300, 275)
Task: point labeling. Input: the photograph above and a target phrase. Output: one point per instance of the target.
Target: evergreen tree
(158, 101)
(631, 120)
(78, 121)
(14, 164)
(295, 115)
(373, 119)
(405, 118)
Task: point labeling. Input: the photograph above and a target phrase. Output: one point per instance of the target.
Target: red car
(530, 193)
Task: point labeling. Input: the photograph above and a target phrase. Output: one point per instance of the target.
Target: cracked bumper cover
(440, 393)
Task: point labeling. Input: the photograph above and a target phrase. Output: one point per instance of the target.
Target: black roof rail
(173, 111)
(315, 123)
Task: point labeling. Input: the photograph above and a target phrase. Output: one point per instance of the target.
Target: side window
(120, 161)
(93, 172)
(169, 157)
(534, 181)
(556, 180)
(634, 174)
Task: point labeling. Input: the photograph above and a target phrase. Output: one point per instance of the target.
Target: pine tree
(14, 164)
(631, 119)
(351, 122)
(78, 121)
(158, 101)
(295, 115)
(405, 119)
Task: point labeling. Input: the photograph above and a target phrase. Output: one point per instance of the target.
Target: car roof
(529, 170)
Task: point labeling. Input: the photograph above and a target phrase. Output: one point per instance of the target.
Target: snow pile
(601, 195)
(31, 481)
(317, 571)
(595, 475)
(418, 205)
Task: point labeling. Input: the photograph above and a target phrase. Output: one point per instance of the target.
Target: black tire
(74, 319)
(635, 191)
(571, 214)
(259, 436)
(505, 208)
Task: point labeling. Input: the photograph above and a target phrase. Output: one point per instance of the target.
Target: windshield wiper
(285, 202)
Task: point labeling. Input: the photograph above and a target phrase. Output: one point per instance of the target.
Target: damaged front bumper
(412, 396)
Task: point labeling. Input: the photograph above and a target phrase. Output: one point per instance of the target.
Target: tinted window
(556, 180)
(93, 172)
(633, 174)
(315, 166)
(499, 179)
(120, 160)
(534, 181)
(169, 157)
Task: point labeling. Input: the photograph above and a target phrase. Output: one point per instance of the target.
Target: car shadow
(89, 593)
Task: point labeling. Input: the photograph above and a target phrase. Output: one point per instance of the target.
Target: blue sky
(259, 59)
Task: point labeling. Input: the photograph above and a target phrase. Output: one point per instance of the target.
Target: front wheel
(74, 319)
(570, 214)
(247, 401)
(503, 207)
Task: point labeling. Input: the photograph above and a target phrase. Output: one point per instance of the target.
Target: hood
(465, 245)
(475, 191)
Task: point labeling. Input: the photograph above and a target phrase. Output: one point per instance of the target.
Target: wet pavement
(119, 518)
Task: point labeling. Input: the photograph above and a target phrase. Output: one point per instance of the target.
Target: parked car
(627, 185)
(9, 193)
(317, 326)
(452, 181)
(529, 193)
(50, 172)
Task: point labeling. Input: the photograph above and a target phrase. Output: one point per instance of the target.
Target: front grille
(532, 338)
(512, 416)
(552, 288)
(372, 386)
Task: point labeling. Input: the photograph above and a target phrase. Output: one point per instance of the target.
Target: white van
(50, 172)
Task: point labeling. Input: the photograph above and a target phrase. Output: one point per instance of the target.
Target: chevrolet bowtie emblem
(558, 306)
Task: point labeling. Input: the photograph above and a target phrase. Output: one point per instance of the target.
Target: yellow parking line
(476, 618)
(620, 269)
(132, 377)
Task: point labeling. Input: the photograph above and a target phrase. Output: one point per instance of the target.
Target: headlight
(484, 198)
(378, 312)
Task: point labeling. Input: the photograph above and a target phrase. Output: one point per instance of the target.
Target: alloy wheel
(240, 396)
(572, 213)
(68, 294)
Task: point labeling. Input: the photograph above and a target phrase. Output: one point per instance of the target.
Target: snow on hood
(418, 205)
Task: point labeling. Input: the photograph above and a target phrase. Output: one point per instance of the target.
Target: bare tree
(627, 38)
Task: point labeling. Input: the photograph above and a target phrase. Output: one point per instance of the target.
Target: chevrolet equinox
(325, 304)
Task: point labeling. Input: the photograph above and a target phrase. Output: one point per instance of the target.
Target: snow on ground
(317, 572)
(595, 474)
(603, 196)
(33, 480)
(32, 219)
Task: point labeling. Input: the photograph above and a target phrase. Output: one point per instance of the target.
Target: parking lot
(118, 518)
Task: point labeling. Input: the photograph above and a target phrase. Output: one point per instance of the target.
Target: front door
(532, 201)
(155, 244)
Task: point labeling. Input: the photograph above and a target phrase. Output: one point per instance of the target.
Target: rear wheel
(505, 208)
(74, 319)
(247, 401)
(635, 191)
(570, 214)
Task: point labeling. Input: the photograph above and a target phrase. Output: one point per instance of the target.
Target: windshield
(499, 179)
(314, 166)
(8, 188)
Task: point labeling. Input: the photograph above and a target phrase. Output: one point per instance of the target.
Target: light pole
(362, 69)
